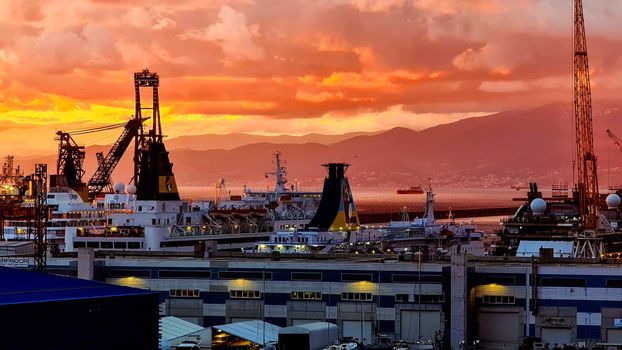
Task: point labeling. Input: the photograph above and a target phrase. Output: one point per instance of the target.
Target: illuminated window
(306, 295)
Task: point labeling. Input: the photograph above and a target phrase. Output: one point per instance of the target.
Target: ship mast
(279, 173)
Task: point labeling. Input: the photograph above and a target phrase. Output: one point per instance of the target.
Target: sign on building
(13, 262)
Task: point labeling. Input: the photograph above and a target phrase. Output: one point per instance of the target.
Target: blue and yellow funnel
(337, 211)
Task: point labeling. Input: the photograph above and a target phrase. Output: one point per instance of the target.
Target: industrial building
(39, 311)
(497, 301)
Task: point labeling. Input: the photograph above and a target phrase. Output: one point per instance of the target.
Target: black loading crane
(71, 159)
(69, 165)
(106, 165)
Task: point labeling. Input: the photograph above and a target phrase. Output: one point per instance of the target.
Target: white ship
(287, 207)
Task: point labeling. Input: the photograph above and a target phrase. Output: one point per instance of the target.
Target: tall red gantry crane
(587, 180)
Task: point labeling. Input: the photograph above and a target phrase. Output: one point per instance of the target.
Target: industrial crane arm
(615, 139)
(101, 177)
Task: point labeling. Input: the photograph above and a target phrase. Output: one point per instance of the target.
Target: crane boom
(101, 177)
(615, 139)
(587, 179)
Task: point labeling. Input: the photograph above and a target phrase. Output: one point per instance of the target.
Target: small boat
(411, 190)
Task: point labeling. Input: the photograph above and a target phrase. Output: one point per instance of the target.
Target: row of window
(345, 276)
(498, 299)
(306, 295)
(352, 296)
(184, 293)
(256, 275)
(422, 299)
(244, 294)
(108, 245)
(317, 276)
(355, 296)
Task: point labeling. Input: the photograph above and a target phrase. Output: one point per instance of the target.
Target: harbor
(137, 229)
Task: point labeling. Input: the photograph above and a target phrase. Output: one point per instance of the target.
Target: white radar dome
(613, 201)
(538, 206)
(119, 187)
(131, 189)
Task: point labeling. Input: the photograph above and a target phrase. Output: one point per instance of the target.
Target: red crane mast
(587, 180)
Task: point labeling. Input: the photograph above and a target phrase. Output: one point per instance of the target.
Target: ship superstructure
(284, 206)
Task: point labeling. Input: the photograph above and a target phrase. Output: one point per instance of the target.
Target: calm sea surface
(386, 200)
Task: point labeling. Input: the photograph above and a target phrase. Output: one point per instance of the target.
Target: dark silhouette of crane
(71, 159)
(153, 170)
(69, 165)
(106, 165)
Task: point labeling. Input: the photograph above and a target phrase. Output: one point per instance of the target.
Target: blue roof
(21, 286)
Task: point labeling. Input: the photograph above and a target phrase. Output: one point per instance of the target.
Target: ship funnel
(337, 210)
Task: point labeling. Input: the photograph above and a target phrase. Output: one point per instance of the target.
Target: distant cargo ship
(411, 190)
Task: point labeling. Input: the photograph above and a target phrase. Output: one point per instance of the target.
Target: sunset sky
(290, 67)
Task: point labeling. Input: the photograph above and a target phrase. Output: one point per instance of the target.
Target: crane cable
(96, 129)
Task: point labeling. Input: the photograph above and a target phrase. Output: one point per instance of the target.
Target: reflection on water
(386, 200)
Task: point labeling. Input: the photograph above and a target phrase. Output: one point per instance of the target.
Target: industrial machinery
(586, 186)
(615, 139)
(70, 165)
(153, 171)
(38, 184)
(106, 165)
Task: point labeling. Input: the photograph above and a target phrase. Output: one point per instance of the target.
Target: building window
(498, 299)
(429, 298)
(401, 298)
(356, 296)
(562, 282)
(617, 283)
(306, 296)
(244, 294)
(415, 278)
(184, 274)
(249, 275)
(184, 293)
(306, 276)
(356, 277)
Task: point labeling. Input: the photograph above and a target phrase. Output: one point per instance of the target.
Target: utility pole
(39, 193)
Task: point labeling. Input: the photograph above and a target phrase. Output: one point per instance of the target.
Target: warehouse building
(495, 301)
(39, 311)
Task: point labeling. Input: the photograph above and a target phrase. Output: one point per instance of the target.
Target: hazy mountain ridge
(231, 141)
(497, 150)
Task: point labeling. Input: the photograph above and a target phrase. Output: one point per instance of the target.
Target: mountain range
(500, 149)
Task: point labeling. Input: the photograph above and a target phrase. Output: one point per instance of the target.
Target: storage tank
(308, 336)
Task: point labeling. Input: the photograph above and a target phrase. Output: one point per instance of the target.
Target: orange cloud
(247, 65)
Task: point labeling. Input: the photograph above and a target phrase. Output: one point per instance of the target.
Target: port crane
(153, 174)
(106, 165)
(71, 159)
(615, 139)
(586, 186)
(69, 165)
